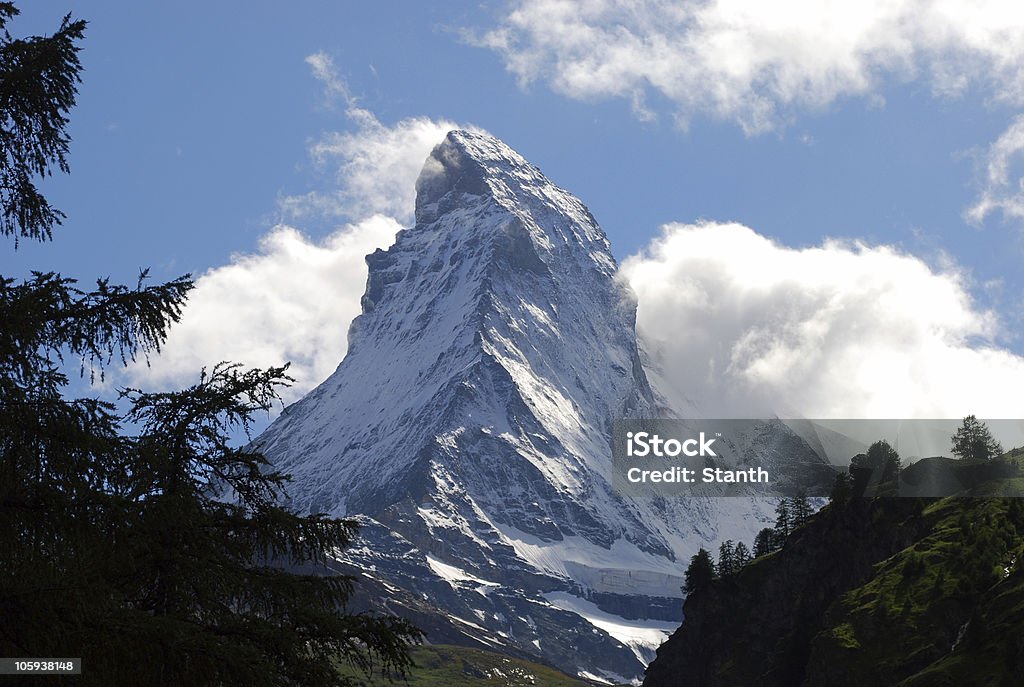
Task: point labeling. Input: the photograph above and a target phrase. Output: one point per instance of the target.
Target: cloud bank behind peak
(744, 326)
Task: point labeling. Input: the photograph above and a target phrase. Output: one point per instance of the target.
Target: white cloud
(1002, 189)
(377, 166)
(742, 326)
(373, 167)
(759, 62)
(294, 298)
(737, 321)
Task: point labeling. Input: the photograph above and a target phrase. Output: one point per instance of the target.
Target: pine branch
(39, 79)
(47, 317)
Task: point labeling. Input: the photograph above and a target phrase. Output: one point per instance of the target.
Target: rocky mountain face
(469, 428)
(890, 591)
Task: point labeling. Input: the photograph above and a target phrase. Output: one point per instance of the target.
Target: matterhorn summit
(469, 429)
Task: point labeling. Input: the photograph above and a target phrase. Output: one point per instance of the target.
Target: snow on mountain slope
(495, 343)
(642, 636)
(471, 419)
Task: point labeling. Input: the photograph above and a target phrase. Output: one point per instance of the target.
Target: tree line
(790, 513)
(972, 441)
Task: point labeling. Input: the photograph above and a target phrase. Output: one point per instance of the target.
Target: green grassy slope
(929, 612)
(904, 592)
(452, 666)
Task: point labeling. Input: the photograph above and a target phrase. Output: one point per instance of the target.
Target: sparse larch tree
(974, 441)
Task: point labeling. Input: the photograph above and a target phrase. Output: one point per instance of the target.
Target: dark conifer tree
(740, 556)
(783, 519)
(974, 441)
(700, 573)
(157, 554)
(884, 457)
(38, 86)
(842, 488)
(800, 509)
(881, 462)
(765, 542)
(726, 559)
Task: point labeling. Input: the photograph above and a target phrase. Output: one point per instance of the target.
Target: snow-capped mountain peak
(472, 163)
(469, 426)
(497, 313)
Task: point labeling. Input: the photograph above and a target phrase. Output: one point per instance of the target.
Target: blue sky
(196, 121)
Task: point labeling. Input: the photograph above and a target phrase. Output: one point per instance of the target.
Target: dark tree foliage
(726, 559)
(974, 441)
(142, 540)
(700, 573)
(800, 509)
(740, 555)
(880, 464)
(842, 488)
(765, 542)
(731, 558)
(38, 85)
(882, 455)
(783, 519)
(790, 513)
